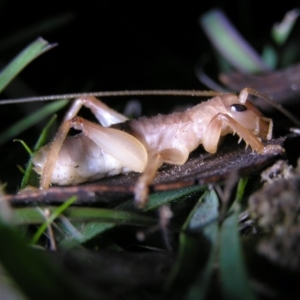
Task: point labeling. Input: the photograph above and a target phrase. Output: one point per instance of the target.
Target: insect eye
(238, 107)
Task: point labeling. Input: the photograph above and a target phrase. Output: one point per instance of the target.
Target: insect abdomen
(76, 164)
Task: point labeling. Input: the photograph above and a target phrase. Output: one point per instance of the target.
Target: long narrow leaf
(29, 177)
(197, 252)
(91, 229)
(161, 198)
(230, 44)
(34, 273)
(232, 265)
(31, 52)
(31, 120)
(33, 30)
(32, 215)
(281, 31)
(233, 271)
(52, 217)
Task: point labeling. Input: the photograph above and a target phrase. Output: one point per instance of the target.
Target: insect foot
(141, 191)
(273, 149)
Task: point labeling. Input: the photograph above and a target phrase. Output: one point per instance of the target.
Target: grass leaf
(197, 252)
(51, 218)
(230, 44)
(232, 265)
(31, 52)
(33, 30)
(92, 229)
(281, 31)
(29, 178)
(31, 120)
(34, 273)
(233, 268)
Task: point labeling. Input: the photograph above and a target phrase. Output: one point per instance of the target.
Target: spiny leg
(213, 134)
(155, 160)
(243, 98)
(141, 188)
(56, 145)
(120, 145)
(104, 114)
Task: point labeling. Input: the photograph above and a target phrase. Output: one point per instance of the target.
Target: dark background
(111, 46)
(108, 46)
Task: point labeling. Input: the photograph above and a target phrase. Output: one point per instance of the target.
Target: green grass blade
(108, 219)
(92, 229)
(109, 215)
(52, 217)
(39, 28)
(29, 177)
(161, 198)
(104, 219)
(281, 31)
(8, 288)
(204, 213)
(31, 52)
(158, 199)
(232, 265)
(233, 268)
(44, 136)
(31, 120)
(197, 252)
(26, 147)
(28, 216)
(270, 56)
(241, 189)
(230, 44)
(37, 275)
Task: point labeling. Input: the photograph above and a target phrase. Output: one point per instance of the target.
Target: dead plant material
(282, 86)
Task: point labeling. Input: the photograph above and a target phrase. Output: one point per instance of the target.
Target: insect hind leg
(122, 146)
(104, 114)
(141, 188)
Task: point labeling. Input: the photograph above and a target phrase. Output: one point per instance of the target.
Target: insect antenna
(191, 93)
(285, 112)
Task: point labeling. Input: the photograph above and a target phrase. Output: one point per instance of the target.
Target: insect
(118, 145)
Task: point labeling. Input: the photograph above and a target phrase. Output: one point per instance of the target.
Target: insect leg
(213, 133)
(141, 188)
(57, 143)
(119, 144)
(171, 156)
(243, 96)
(104, 114)
(270, 128)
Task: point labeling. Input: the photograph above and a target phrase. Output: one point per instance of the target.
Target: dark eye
(238, 107)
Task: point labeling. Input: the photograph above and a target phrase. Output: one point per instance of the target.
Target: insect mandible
(118, 145)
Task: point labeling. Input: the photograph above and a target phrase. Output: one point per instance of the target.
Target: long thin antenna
(285, 112)
(191, 93)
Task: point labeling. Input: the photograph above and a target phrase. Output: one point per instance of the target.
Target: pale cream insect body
(119, 145)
